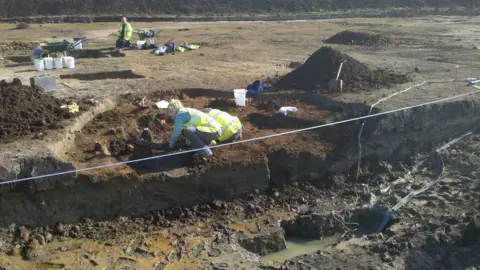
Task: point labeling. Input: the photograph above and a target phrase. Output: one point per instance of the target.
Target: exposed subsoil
(323, 66)
(17, 48)
(359, 38)
(434, 231)
(121, 129)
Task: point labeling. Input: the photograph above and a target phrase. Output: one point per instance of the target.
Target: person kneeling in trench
(232, 128)
(198, 128)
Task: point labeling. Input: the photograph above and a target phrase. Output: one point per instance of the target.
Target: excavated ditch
(123, 74)
(239, 170)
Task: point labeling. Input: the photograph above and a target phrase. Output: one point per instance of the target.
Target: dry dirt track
(233, 55)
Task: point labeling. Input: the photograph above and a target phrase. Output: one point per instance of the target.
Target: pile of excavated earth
(29, 112)
(17, 48)
(26, 110)
(323, 65)
(359, 38)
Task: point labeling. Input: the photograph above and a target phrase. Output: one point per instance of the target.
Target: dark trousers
(121, 43)
(198, 139)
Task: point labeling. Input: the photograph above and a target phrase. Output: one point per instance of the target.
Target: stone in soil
(33, 250)
(26, 110)
(265, 243)
(471, 233)
(323, 66)
(358, 38)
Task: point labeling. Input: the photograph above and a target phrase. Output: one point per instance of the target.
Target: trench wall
(128, 195)
(394, 137)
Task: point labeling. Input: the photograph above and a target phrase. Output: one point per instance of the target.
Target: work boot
(204, 153)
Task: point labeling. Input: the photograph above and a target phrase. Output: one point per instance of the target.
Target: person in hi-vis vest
(232, 128)
(124, 34)
(198, 128)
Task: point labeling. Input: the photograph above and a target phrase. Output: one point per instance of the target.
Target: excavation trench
(123, 74)
(182, 181)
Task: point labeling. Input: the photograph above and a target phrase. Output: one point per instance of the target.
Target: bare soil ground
(120, 129)
(427, 234)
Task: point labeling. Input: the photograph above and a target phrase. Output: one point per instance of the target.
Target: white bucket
(240, 96)
(69, 62)
(58, 63)
(140, 44)
(38, 64)
(48, 63)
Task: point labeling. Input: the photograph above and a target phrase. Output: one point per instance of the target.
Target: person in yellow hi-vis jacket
(198, 127)
(232, 128)
(124, 34)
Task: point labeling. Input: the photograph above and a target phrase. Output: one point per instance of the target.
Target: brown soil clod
(359, 38)
(323, 66)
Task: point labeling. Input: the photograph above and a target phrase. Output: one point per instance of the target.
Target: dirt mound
(25, 110)
(323, 66)
(359, 38)
(17, 47)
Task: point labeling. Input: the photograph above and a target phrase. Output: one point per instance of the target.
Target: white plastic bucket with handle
(48, 63)
(69, 62)
(240, 96)
(140, 44)
(58, 62)
(39, 66)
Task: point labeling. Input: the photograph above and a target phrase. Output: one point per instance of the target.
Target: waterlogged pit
(297, 246)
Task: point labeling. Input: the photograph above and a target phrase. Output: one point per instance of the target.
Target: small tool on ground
(336, 84)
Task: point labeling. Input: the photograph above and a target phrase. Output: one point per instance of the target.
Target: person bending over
(232, 128)
(199, 128)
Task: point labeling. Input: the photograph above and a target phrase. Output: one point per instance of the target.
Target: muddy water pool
(299, 246)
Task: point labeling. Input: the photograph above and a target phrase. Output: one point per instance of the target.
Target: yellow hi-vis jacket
(128, 31)
(201, 121)
(230, 124)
